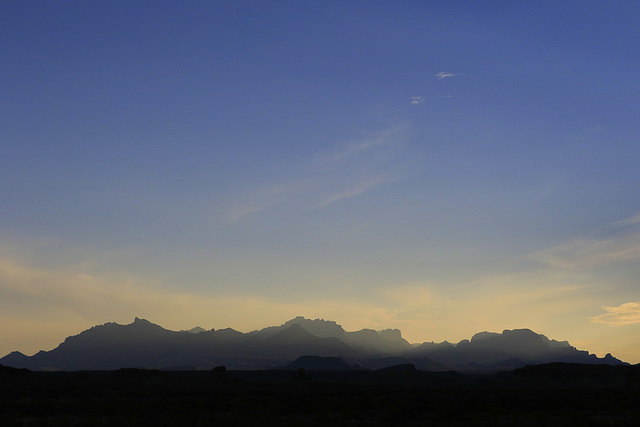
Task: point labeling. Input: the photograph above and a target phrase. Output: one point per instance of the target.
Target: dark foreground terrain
(554, 394)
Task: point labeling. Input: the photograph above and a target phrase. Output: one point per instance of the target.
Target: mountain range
(143, 344)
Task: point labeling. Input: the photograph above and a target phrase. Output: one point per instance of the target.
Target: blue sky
(438, 167)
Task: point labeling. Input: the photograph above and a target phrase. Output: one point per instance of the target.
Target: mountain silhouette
(510, 349)
(143, 344)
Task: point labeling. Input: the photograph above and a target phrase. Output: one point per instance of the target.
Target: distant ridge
(143, 344)
(510, 349)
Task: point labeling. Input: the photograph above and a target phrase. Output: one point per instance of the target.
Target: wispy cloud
(353, 168)
(589, 254)
(355, 189)
(621, 315)
(627, 221)
(373, 146)
(416, 100)
(445, 74)
(260, 200)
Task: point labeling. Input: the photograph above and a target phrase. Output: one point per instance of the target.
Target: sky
(443, 168)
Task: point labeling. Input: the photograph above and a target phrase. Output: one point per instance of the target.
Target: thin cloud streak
(590, 254)
(374, 145)
(626, 222)
(349, 171)
(356, 189)
(445, 74)
(259, 201)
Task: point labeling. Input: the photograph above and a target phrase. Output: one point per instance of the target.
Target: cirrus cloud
(351, 169)
(445, 74)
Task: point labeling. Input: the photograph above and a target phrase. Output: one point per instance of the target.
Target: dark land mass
(558, 394)
(145, 345)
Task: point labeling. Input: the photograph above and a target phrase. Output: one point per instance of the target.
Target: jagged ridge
(143, 344)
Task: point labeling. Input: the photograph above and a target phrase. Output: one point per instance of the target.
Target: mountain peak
(195, 330)
(481, 336)
(507, 335)
(391, 334)
(318, 327)
(139, 324)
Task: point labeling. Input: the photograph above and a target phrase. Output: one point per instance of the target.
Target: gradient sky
(441, 167)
